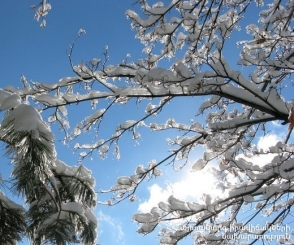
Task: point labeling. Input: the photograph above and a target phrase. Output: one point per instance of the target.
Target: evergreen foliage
(59, 196)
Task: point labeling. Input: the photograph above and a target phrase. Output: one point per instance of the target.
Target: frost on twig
(42, 10)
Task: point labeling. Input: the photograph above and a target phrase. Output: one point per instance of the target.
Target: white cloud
(120, 233)
(264, 143)
(267, 141)
(117, 228)
(157, 194)
(190, 188)
(276, 123)
(105, 218)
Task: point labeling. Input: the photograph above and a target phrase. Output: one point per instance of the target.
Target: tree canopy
(190, 50)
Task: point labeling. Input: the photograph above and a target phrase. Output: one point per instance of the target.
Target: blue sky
(40, 55)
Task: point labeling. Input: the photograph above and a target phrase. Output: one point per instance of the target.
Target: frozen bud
(95, 61)
(81, 32)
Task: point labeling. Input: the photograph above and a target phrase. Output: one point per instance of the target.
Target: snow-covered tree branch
(188, 53)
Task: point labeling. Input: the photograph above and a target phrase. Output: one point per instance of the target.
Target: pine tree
(59, 197)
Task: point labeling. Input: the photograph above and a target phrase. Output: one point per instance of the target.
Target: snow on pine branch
(52, 189)
(13, 216)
